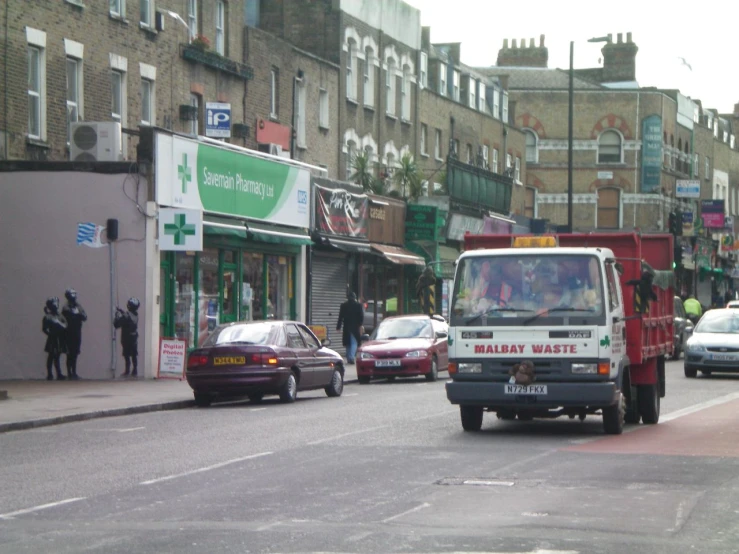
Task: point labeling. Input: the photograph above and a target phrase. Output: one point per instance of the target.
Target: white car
(714, 346)
(733, 304)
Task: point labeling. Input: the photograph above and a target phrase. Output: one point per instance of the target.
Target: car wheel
(690, 372)
(289, 391)
(649, 403)
(203, 399)
(613, 417)
(336, 387)
(433, 375)
(255, 397)
(363, 380)
(471, 417)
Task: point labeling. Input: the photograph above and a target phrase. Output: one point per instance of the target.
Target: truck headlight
(469, 368)
(585, 369)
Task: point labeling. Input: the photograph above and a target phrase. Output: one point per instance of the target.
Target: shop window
(208, 294)
(278, 300)
(253, 287)
(184, 300)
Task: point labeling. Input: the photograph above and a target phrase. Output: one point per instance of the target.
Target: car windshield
(252, 333)
(502, 290)
(404, 329)
(719, 322)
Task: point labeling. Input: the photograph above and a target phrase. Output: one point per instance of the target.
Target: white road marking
(11, 515)
(202, 469)
(698, 407)
(488, 483)
(348, 435)
(115, 430)
(417, 508)
(256, 409)
(130, 429)
(352, 394)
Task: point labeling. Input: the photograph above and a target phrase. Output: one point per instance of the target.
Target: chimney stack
(527, 55)
(619, 60)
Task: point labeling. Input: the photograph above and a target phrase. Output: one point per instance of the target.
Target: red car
(253, 359)
(404, 346)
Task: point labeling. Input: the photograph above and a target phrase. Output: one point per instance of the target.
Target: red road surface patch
(713, 431)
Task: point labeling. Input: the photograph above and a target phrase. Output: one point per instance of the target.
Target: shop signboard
(172, 355)
(198, 176)
(460, 224)
(180, 230)
(712, 212)
(703, 253)
(496, 226)
(421, 222)
(688, 188)
(651, 167)
(217, 119)
(340, 212)
(687, 223)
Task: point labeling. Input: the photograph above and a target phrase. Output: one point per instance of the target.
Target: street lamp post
(570, 115)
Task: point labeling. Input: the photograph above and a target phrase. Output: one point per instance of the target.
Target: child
(128, 323)
(54, 326)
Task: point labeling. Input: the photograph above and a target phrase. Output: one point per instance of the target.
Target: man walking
(351, 316)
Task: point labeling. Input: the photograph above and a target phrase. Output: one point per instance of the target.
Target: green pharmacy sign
(180, 229)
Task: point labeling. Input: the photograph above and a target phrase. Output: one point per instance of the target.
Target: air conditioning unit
(274, 149)
(95, 141)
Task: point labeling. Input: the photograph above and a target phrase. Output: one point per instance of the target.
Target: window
(423, 75)
(147, 104)
(195, 103)
(494, 165)
(323, 108)
(118, 8)
(708, 168)
(35, 91)
(145, 15)
(508, 164)
(481, 98)
(192, 18)
(608, 208)
(496, 103)
(455, 89)
(405, 95)
(455, 143)
(485, 155)
(609, 147)
(390, 87)
(442, 79)
(696, 168)
(274, 82)
(74, 78)
(301, 114)
(517, 171)
(473, 94)
(221, 28)
(504, 116)
(529, 202)
(613, 287)
(294, 340)
(532, 153)
(369, 77)
(437, 145)
(351, 152)
(424, 139)
(468, 152)
(351, 64)
(118, 101)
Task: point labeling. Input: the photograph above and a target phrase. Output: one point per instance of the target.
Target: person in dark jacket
(75, 315)
(128, 323)
(351, 317)
(53, 326)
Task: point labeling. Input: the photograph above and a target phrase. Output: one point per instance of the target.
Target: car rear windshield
(404, 329)
(717, 322)
(253, 333)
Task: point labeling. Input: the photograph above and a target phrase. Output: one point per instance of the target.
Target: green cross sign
(180, 229)
(184, 173)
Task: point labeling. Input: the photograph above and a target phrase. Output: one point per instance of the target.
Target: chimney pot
(532, 44)
(628, 37)
(505, 43)
(620, 38)
(736, 110)
(513, 44)
(541, 41)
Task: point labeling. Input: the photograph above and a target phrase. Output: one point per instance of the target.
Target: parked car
(683, 328)
(404, 346)
(732, 304)
(254, 359)
(370, 307)
(714, 346)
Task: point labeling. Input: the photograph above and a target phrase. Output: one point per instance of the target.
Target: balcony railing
(216, 61)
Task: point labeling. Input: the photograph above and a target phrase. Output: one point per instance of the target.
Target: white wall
(395, 18)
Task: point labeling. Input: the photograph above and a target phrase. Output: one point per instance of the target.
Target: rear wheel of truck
(613, 417)
(471, 417)
(649, 403)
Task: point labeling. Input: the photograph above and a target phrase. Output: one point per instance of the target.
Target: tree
(362, 171)
(407, 177)
(378, 187)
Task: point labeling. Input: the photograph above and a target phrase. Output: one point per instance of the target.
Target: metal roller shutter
(328, 291)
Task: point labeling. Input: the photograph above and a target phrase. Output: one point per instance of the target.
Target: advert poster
(712, 212)
(339, 212)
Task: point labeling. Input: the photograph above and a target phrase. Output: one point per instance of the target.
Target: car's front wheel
(289, 391)
(690, 372)
(202, 399)
(433, 374)
(336, 387)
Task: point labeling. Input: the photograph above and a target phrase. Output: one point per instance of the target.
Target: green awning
(278, 235)
(213, 228)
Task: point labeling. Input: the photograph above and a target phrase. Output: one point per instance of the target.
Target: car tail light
(196, 360)
(452, 368)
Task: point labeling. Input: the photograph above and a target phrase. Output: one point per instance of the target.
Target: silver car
(714, 346)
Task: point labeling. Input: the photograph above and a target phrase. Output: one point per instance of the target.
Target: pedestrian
(693, 308)
(351, 317)
(53, 326)
(128, 323)
(75, 315)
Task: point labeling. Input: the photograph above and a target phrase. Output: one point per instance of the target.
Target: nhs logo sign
(217, 120)
(302, 201)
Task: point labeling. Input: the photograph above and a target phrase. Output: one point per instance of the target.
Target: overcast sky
(704, 33)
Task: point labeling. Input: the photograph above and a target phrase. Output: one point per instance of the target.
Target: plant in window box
(201, 42)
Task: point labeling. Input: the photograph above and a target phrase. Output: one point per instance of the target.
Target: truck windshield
(556, 289)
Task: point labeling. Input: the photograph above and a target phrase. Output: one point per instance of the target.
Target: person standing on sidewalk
(75, 315)
(128, 323)
(54, 326)
(351, 316)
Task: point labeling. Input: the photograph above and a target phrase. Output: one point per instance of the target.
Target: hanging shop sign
(217, 119)
(712, 212)
(460, 224)
(703, 251)
(651, 167)
(180, 229)
(421, 222)
(688, 225)
(687, 188)
(198, 176)
(339, 212)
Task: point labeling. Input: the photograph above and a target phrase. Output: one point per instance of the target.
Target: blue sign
(217, 120)
(651, 162)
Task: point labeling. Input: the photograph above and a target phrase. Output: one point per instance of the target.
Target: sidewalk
(35, 403)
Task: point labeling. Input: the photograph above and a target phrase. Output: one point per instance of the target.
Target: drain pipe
(5, 70)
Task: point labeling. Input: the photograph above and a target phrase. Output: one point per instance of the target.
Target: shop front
(255, 220)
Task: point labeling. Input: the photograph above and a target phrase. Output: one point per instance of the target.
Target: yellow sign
(535, 242)
(320, 331)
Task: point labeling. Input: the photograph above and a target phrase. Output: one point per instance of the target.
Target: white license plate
(526, 389)
(387, 363)
(722, 357)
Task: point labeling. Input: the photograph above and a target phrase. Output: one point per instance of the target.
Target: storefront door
(229, 286)
(166, 292)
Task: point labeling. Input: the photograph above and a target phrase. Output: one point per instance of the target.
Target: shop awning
(349, 245)
(224, 229)
(268, 233)
(398, 255)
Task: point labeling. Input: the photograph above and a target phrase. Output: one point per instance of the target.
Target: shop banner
(712, 212)
(339, 212)
(421, 222)
(198, 176)
(685, 188)
(651, 166)
(703, 251)
(687, 223)
(460, 224)
(172, 356)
